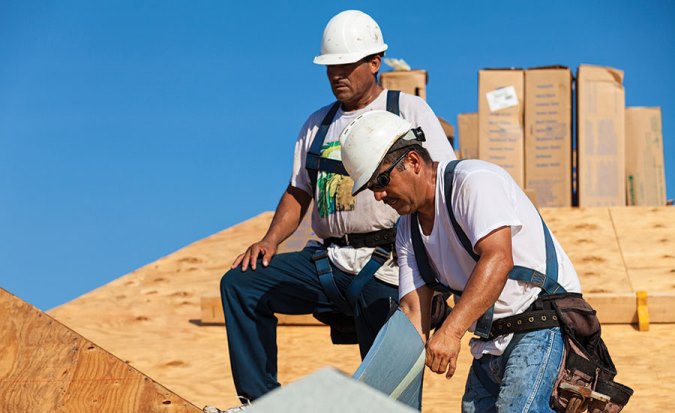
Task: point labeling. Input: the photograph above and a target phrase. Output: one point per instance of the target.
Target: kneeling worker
(350, 279)
(470, 230)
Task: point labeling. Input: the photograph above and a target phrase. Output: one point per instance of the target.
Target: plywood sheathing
(150, 317)
(588, 237)
(47, 367)
(168, 342)
(647, 239)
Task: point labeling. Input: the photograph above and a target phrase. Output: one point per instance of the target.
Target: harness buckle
(312, 161)
(320, 254)
(322, 262)
(381, 254)
(538, 279)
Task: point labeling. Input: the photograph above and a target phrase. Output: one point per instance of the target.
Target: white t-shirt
(485, 198)
(335, 211)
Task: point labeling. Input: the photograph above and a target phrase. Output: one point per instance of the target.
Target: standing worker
(469, 241)
(351, 276)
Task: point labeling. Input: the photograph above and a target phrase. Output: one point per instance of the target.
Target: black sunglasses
(383, 178)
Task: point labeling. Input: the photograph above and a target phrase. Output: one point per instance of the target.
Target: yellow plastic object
(642, 311)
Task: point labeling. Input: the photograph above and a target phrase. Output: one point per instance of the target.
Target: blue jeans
(524, 381)
(289, 285)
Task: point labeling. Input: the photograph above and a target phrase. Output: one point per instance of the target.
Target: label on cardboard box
(500, 122)
(502, 98)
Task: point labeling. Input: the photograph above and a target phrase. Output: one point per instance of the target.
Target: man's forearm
(481, 292)
(288, 215)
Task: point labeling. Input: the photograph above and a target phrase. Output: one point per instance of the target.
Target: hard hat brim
(347, 58)
(360, 183)
(358, 187)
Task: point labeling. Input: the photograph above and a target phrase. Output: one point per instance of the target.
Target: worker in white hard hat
(468, 230)
(350, 279)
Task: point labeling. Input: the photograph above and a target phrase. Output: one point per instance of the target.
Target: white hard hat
(349, 37)
(367, 139)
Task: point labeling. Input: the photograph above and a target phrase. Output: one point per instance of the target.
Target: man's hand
(442, 352)
(250, 256)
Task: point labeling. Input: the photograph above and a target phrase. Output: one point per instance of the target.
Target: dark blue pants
(289, 285)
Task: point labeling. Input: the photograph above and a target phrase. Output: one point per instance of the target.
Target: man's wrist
(269, 240)
(451, 328)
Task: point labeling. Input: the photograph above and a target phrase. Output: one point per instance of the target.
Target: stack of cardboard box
(524, 124)
(500, 120)
(548, 135)
(645, 171)
(601, 137)
(414, 82)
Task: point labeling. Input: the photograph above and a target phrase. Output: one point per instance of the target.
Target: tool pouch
(586, 377)
(440, 310)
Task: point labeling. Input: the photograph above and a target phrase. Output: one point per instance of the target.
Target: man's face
(352, 81)
(397, 192)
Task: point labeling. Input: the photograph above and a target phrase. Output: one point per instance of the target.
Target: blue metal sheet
(395, 363)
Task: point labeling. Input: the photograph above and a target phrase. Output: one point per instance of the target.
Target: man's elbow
(500, 262)
(409, 307)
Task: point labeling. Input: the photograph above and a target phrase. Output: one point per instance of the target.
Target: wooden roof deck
(47, 367)
(152, 316)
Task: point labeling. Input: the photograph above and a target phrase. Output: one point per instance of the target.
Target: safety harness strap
(346, 304)
(379, 257)
(314, 162)
(463, 239)
(393, 101)
(548, 282)
(428, 274)
(325, 273)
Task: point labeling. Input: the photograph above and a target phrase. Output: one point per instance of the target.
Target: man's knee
(230, 281)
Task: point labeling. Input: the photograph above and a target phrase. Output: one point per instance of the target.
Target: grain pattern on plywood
(27, 340)
(212, 313)
(47, 367)
(157, 334)
(653, 279)
(646, 236)
(154, 324)
(587, 236)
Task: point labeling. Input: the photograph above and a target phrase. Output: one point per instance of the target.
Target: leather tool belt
(585, 381)
(369, 239)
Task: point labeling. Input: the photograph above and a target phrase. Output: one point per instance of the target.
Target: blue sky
(130, 129)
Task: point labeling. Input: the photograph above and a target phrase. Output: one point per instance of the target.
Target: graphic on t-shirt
(334, 190)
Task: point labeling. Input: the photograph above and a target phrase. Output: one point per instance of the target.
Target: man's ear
(375, 63)
(415, 161)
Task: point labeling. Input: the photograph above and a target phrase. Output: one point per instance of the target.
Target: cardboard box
(467, 124)
(645, 173)
(500, 120)
(449, 131)
(548, 135)
(601, 139)
(413, 82)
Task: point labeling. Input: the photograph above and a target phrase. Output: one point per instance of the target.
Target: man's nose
(335, 71)
(379, 194)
